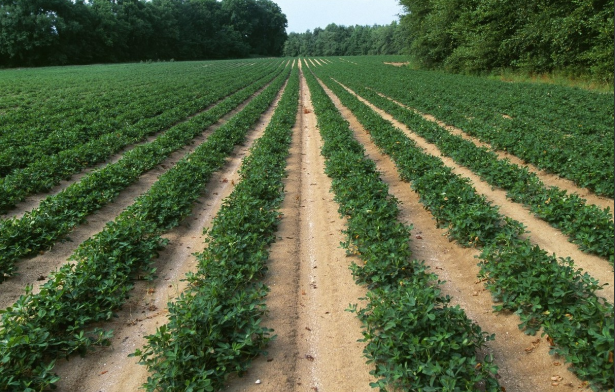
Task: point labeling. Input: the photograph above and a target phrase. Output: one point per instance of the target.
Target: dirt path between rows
(524, 361)
(540, 232)
(110, 369)
(311, 286)
(549, 179)
(35, 271)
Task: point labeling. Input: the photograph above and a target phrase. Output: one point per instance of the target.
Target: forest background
(571, 37)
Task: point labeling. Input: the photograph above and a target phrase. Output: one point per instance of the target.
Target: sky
(305, 15)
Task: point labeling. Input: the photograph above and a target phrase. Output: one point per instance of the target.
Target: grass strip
(414, 338)
(214, 326)
(58, 320)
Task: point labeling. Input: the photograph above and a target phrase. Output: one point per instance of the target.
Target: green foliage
(57, 215)
(58, 32)
(58, 321)
(58, 161)
(558, 129)
(523, 278)
(586, 225)
(533, 36)
(414, 338)
(214, 327)
(337, 40)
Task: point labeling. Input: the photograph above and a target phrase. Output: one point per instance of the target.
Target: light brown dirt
(110, 369)
(397, 64)
(549, 179)
(35, 271)
(311, 285)
(524, 362)
(541, 233)
(347, 61)
(316, 348)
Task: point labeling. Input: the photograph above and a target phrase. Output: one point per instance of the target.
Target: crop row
(85, 96)
(49, 171)
(58, 214)
(585, 225)
(414, 338)
(88, 116)
(562, 130)
(214, 326)
(76, 129)
(58, 320)
(545, 292)
(571, 110)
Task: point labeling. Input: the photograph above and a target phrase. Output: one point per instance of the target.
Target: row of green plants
(586, 225)
(47, 172)
(37, 230)
(43, 98)
(567, 109)
(214, 327)
(60, 320)
(32, 112)
(415, 339)
(562, 130)
(76, 129)
(545, 292)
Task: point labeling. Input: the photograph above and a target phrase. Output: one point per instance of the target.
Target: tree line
(338, 40)
(58, 32)
(574, 36)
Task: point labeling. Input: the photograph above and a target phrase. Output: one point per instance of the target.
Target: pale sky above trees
(309, 14)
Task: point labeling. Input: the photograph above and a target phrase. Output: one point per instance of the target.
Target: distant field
(181, 214)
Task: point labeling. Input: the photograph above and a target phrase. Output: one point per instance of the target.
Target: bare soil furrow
(540, 232)
(549, 179)
(524, 361)
(277, 371)
(110, 369)
(316, 348)
(330, 356)
(35, 271)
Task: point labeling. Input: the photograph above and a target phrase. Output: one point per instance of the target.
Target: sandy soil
(111, 369)
(524, 361)
(316, 348)
(397, 64)
(311, 285)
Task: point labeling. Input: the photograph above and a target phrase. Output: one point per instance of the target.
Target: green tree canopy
(338, 40)
(532, 35)
(55, 32)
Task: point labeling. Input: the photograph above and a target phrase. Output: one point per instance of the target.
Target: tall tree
(51, 32)
(575, 36)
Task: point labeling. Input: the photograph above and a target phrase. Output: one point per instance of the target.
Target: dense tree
(574, 36)
(337, 40)
(51, 32)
